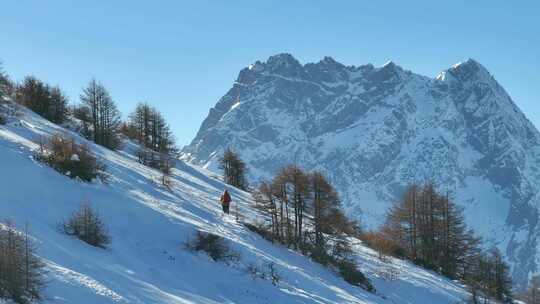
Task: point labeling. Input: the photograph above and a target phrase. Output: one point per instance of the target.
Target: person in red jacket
(226, 201)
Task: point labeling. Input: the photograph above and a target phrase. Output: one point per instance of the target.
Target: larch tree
(431, 229)
(325, 204)
(292, 189)
(305, 214)
(234, 169)
(58, 108)
(22, 273)
(5, 83)
(293, 197)
(105, 117)
(532, 293)
(266, 202)
(148, 126)
(502, 283)
(49, 102)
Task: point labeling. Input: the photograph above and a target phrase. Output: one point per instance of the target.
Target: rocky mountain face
(374, 130)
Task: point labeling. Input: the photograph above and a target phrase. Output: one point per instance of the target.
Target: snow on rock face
(375, 130)
(75, 158)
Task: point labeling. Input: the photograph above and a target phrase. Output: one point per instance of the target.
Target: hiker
(225, 201)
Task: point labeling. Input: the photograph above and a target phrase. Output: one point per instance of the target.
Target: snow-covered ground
(146, 262)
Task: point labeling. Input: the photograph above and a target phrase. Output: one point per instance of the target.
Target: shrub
(69, 158)
(388, 273)
(321, 256)
(273, 274)
(22, 274)
(255, 272)
(384, 246)
(336, 256)
(213, 245)
(86, 225)
(83, 114)
(267, 272)
(350, 273)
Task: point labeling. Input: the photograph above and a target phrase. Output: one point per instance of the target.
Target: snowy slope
(146, 262)
(373, 130)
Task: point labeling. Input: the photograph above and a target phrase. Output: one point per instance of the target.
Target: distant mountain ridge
(373, 130)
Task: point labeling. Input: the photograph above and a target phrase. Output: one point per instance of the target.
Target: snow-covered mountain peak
(390, 64)
(470, 71)
(329, 62)
(282, 59)
(374, 130)
(284, 64)
(390, 71)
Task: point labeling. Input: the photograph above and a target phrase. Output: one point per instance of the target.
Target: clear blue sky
(182, 56)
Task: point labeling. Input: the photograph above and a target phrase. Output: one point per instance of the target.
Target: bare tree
(266, 201)
(22, 274)
(293, 195)
(166, 164)
(291, 189)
